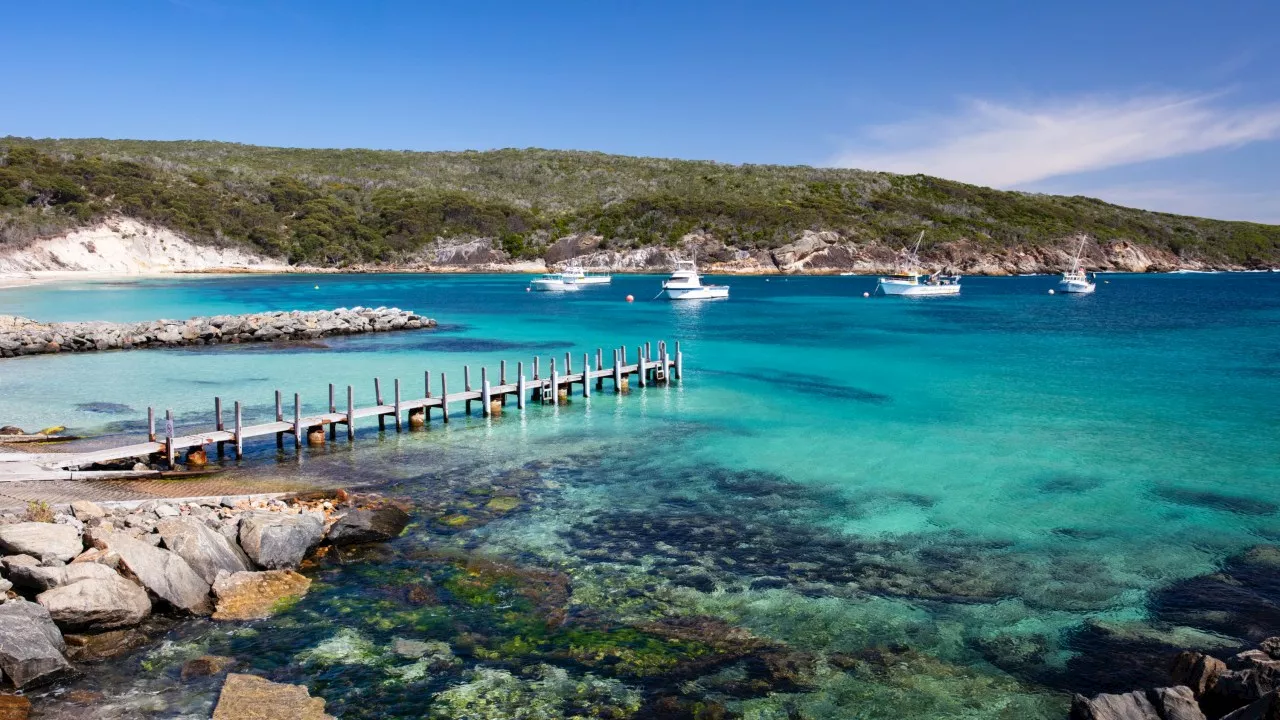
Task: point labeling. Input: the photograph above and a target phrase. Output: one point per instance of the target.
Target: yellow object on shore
(51, 430)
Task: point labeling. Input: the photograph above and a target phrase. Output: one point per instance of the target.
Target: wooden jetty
(652, 365)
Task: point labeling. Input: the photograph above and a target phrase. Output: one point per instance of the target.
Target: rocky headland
(22, 336)
(87, 582)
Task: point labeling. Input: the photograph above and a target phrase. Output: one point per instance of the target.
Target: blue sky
(1168, 105)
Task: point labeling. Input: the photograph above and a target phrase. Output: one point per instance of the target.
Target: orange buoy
(631, 298)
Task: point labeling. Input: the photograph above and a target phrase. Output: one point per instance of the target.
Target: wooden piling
(297, 421)
(555, 387)
(151, 424)
(396, 384)
(502, 380)
(217, 415)
(426, 386)
(168, 437)
(599, 368)
(377, 400)
(617, 371)
(535, 367)
(640, 365)
(485, 407)
(444, 398)
(239, 433)
(520, 386)
(679, 362)
(662, 363)
(333, 408)
(586, 370)
(351, 414)
(466, 384)
(279, 418)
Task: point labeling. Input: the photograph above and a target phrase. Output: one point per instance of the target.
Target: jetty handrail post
(297, 421)
(679, 362)
(466, 384)
(396, 390)
(640, 364)
(520, 385)
(217, 420)
(239, 433)
(279, 418)
(617, 371)
(599, 368)
(151, 424)
(484, 393)
(377, 400)
(586, 370)
(168, 437)
(333, 408)
(502, 380)
(444, 398)
(351, 411)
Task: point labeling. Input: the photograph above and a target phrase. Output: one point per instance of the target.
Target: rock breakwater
(22, 336)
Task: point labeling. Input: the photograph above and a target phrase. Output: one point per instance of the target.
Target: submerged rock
(256, 595)
(30, 645)
(207, 551)
(276, 541)
(362, 525)
(97, 603)
(249, 697)
(494, 694)
(39, 539)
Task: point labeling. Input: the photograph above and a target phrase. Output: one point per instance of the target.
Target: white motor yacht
(911, 281)
(685, 284)
(554, 282)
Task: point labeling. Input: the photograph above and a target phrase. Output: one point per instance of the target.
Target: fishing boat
(576, 272)
(554, 282)
(1076, 280)
(911, 281)
(685, 284)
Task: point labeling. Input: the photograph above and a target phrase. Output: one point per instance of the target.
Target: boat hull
(1076, 287)
(892, 287)
(706, 292)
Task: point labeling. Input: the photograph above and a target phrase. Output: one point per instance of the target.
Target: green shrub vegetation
(343, 207)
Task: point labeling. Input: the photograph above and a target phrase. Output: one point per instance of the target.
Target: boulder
(362, 525)
(1266, 707)
(163, 573)
(43, 578)
(1176, 703)
(98, 603)
(40, 539)
(256, 595)
(92, 647)
(276, 541)
(1197, 671)
(30, 645)
(87, 510)
(206, 550)
(248, 697)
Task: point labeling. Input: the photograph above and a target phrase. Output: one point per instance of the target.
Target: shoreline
(51, 277)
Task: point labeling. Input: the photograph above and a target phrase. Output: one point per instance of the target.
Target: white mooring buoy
(1050, 291)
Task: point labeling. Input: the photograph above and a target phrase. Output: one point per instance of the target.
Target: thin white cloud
(1002, 145)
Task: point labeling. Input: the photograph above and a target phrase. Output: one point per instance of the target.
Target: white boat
(913, 282)
(684, 284)
(575, 272)
(554, 282)
(1076, 280)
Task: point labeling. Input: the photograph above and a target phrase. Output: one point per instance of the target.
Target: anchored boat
(912, 281)
(685, 284)
(1076, 280)
(554, 282)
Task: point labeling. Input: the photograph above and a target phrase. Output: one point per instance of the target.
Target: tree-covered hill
(343, 207)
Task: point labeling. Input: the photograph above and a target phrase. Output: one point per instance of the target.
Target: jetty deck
(651, 365)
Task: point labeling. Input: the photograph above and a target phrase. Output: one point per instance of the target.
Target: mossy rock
(503, 504)
(454, 520)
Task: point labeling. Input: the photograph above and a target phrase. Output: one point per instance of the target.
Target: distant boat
(555, 282)
(1076, 280)
(573, 271)
(685, 284)
(911, 281)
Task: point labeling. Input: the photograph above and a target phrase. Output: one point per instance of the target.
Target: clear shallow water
(994, 470)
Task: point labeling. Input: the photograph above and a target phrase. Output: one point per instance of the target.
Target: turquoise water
(966, 477)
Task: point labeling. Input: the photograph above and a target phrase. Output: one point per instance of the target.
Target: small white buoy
(766, 279)
(317, 287)
(1050, 291)
(866, 294)
(527, 289)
